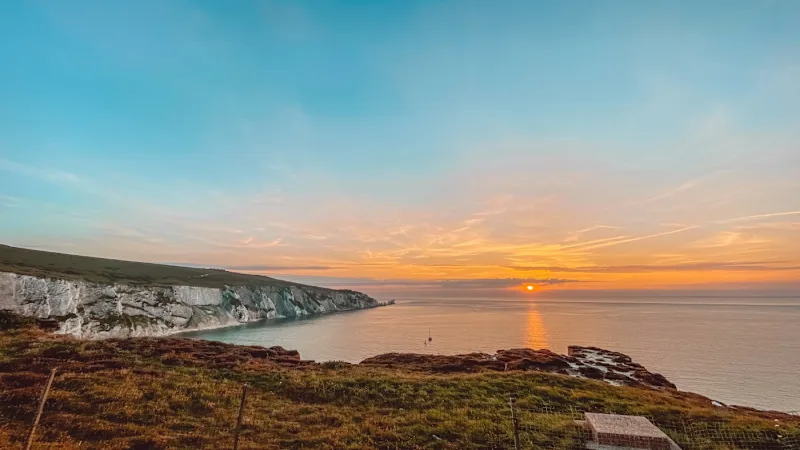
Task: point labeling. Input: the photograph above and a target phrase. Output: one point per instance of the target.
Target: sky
(453, 147)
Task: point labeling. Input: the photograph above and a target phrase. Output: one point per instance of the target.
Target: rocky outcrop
(582, 362)
(99, 310)
(614, 367)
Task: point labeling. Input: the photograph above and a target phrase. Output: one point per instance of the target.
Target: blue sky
(409, 140)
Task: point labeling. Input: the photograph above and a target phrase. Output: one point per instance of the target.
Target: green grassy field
(178, 393)
(73, 267)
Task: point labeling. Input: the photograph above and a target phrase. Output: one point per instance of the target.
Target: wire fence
(134, 411)
(537, 423)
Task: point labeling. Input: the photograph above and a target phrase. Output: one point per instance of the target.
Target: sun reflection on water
(535, 332)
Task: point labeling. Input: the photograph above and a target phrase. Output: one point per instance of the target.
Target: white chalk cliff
(97, 310)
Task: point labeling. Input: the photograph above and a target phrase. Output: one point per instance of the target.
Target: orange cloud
(544, 215)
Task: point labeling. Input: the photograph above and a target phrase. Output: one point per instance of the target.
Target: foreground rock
(98, 310)
(616, 368)
(582, 362)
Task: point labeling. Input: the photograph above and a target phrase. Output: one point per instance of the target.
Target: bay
(743, 351)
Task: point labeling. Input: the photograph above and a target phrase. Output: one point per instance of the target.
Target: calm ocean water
(738, 351)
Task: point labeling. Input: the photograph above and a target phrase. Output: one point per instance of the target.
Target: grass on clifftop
(180, 393)
(100, 270)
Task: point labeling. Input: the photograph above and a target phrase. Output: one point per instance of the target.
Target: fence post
(42, 400)
(239, 419)
(515, 422)
(689, 440)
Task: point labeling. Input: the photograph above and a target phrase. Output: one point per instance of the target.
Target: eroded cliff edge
(95, 310)
(100, 298)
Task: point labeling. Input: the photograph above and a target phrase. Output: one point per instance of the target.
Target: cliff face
(99, 310)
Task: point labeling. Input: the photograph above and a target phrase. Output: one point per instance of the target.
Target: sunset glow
(413, 148)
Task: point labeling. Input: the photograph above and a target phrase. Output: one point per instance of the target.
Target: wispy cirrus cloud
(47, 174)
(762, 216)
(673, 192)
(515, 222)
(574, 236)
(452, 284)
(10, 202)
(733, 238)
(623, 240)
(269, 268)
(747, 266)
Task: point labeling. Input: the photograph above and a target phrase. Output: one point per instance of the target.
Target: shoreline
(265, 321)
(232, 325)
(187, 393)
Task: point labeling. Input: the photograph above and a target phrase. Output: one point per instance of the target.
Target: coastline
(160, 385)
(264, 322)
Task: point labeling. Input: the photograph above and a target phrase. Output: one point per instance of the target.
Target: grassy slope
(100, 270)
(179, 393)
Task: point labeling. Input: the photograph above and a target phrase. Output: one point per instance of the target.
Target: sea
(740, 351)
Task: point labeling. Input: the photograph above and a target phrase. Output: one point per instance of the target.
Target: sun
(530, 288)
